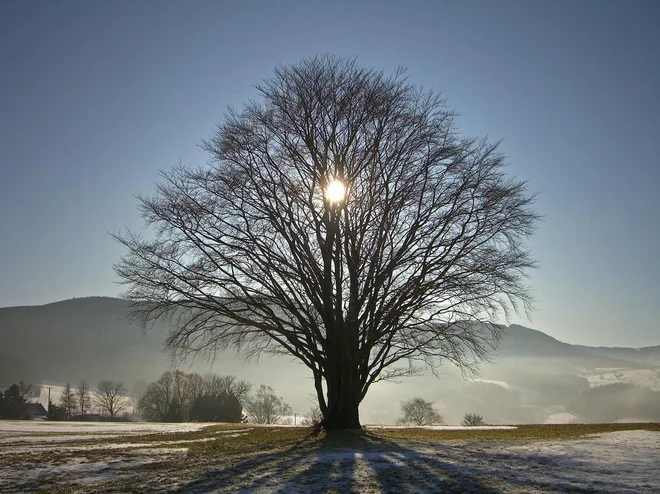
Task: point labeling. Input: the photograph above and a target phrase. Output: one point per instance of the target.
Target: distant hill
(75, 339)
(522, 342)
(649, 355)
(93, 339)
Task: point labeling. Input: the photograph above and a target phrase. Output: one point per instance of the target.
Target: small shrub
(313, 417)
(472, 419)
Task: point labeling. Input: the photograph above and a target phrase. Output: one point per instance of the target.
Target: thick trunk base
(342, 420)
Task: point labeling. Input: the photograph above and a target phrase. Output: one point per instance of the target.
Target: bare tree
(226, 385)
(171, 398)
(155, 401)
(418, 411)
(313, 417)
(112, 397)
(344, 221)
(195, 386)
(83, 397)
(265, 407)
(69, 400)
(160, 400)
(27, 390)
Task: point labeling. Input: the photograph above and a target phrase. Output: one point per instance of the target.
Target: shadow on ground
(369, 463)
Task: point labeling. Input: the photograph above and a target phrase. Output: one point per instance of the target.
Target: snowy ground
(43, 428)
(107, 457)
(642, 377)
(375, 427)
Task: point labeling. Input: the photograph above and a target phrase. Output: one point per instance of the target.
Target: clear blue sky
(96, 97)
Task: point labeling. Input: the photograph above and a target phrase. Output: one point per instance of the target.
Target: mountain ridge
(94, 338)
(510, 326)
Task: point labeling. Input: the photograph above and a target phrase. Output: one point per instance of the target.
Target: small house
(35, 411)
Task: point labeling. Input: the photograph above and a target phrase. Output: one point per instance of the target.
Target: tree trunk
(343, 393)
(342, 418)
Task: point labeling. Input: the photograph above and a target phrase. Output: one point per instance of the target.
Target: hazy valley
(533, 378)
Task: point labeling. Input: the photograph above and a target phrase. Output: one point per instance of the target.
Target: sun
(335, 191)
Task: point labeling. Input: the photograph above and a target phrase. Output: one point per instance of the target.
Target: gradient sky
(96, 97)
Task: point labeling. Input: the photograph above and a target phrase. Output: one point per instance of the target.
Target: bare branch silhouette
(405, 270)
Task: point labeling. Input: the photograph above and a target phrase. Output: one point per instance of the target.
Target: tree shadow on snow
(367, 462)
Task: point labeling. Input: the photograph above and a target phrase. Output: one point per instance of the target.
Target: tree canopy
(407, 262)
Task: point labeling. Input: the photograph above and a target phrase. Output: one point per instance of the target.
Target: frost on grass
(258, 459)
(102, 428)
(42, 455)
(615, 462)
(446, 427)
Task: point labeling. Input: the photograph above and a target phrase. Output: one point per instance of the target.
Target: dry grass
(232, 448)
(563, 432)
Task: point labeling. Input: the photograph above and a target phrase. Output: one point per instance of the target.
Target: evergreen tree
(13, 404)
(56, 412)
(69, 401)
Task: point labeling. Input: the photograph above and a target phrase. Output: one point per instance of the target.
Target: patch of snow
(233, 431)
(562, 418)
(273, 425)
(68, 447)
(29, 438)
(100, 428)
(624, 462)
(649, 378)
(443, 427)
(501, 384)
(80, 471)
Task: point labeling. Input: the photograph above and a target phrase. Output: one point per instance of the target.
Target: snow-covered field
(43, 428)
(444, 427)
(112, 457)
(642, 377)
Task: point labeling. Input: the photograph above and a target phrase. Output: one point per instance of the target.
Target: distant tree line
(178, 396)
(111, 399)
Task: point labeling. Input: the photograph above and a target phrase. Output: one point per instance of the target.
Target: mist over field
(532, 378)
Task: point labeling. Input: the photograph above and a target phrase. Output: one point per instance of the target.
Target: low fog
(532, 377)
